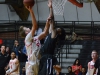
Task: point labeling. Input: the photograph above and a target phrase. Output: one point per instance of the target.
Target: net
(58, 6)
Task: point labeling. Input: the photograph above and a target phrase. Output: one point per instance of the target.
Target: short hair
(3, 45)
(22, 31)
(95, 51)
(13, 52)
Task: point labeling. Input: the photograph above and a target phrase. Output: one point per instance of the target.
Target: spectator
(83, 72)
(70, 71)
(8, 51)
(91, 68)
(4, 60)
(17, 48)
(76, 68)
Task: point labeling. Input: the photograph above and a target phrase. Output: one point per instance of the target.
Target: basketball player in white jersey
(91, 68)
(32, 44)
(13, 65)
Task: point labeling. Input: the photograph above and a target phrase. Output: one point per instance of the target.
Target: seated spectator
(83, 72)
(76, 67)
(70, 71)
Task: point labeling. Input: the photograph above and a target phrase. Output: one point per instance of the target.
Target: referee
(4, 59)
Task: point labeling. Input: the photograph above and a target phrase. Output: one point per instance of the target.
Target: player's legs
(42, 66)
(14, 74)
(29, 70)
(35, 68)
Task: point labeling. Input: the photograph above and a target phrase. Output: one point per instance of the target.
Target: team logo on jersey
(91, 66)
(37, 42)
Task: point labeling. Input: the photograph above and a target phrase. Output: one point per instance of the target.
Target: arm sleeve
(28, 39)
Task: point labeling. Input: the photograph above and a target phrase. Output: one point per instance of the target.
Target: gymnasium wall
(71, 13)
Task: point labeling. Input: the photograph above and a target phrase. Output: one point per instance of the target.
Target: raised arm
(34, 22)
(52, 27)
(45, 32)
(46, 29)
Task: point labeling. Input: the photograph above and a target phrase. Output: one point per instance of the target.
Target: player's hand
(29, 8)
(50, 3)
(49, 18)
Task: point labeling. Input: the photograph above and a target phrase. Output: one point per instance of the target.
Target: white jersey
(33, 47)
(12, 66)
(91, 68)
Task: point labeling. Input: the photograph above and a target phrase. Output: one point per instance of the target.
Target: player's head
(24, 31)
(94, 54)
(3, 48)
(13, 55)
(61, 33)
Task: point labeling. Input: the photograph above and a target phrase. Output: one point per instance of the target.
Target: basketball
(28, 2)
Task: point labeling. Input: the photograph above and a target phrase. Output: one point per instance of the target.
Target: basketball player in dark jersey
(48, 61)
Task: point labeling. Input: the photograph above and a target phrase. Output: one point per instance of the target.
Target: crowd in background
(21, 55)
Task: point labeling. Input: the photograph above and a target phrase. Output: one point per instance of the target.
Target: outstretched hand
(29, 8)
(50, 3)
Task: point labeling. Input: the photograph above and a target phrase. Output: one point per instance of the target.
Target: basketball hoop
(58, 6)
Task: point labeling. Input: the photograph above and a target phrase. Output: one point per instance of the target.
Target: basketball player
(13, 65)
(91, 67)
(47, 50)
(32, 44)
